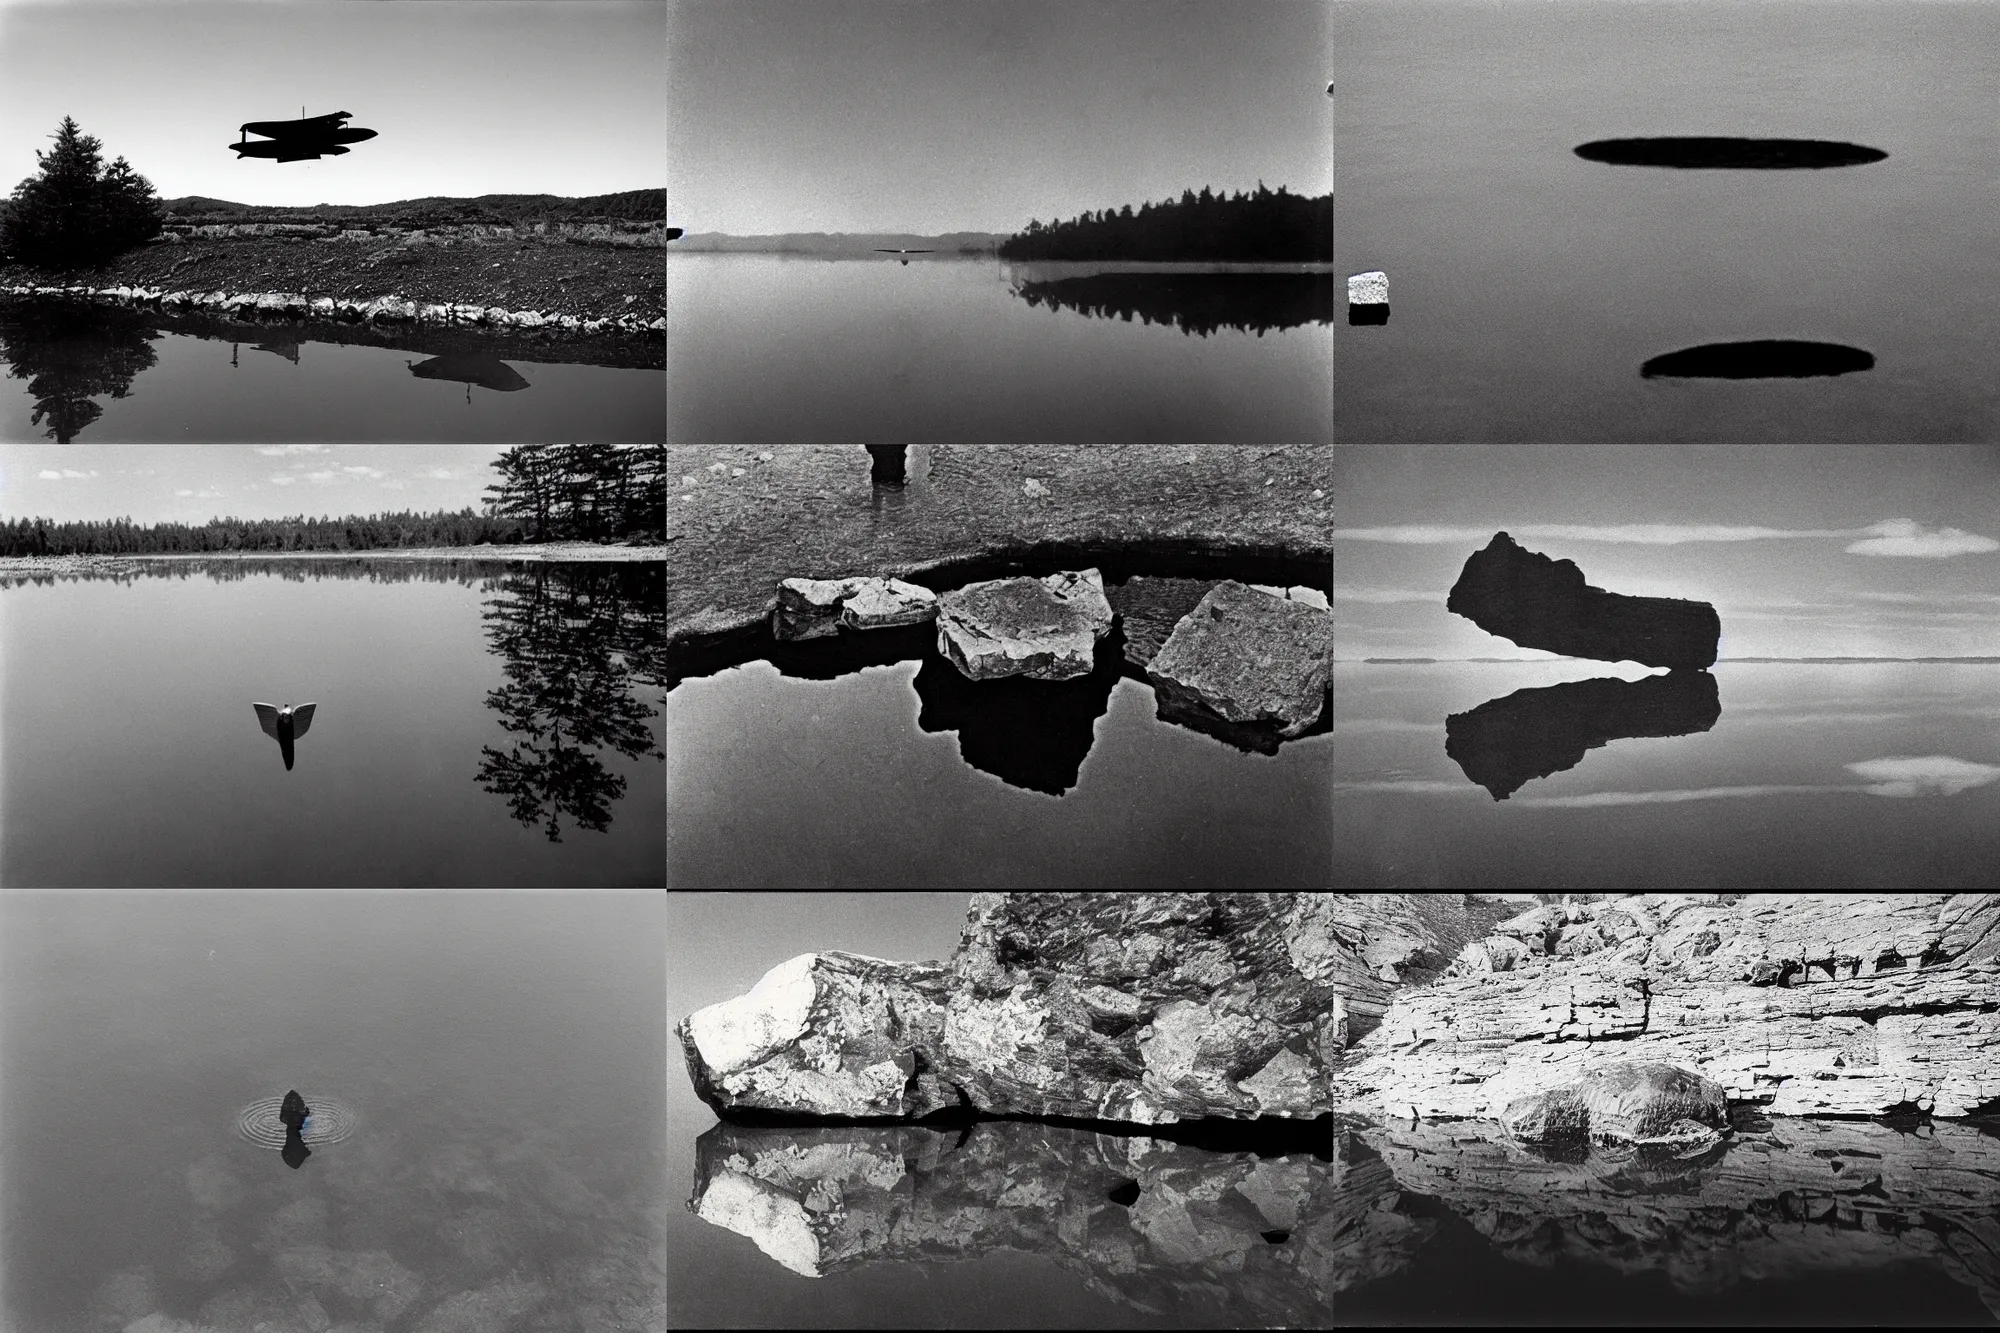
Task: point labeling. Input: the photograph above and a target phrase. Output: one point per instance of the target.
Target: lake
(82, 371)
(1027, 1225)
(477, 724)
(1753, 776)
(484, 1073)
(774, 348)
(1531, 288)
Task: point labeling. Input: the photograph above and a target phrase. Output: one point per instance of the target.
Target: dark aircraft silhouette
(906, 263)
(284, 725)
(299, 140)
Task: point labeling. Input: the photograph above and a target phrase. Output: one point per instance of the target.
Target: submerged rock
(1633, 1101)
(1141, 1007)
(1248, 657)
(1045, 629)
(1542, 603)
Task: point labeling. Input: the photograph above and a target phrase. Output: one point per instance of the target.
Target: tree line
(121, 536)
(1264, 226)
(583, 492)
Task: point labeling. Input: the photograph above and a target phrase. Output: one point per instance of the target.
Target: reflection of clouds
(1901, 537)
(1924, 775)
(1412, 786)
(1643, 534)
(1385, 596)
(1376, 726)
(1598, 798)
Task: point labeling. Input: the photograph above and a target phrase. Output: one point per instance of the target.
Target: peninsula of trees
(566, 492)
(1266, 226)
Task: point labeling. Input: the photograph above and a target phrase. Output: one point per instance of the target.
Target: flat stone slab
(1045, 629)
(816, 608)
(1248, 657)
(1368, 288)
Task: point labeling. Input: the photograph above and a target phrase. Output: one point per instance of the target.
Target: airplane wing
(302, 717)
(267, 718)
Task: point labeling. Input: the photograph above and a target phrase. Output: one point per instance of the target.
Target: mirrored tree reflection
(577, 642)
(70, 352)
(1198, 303)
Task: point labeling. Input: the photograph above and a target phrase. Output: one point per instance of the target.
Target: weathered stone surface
(1847, 1004)
(1249, 657)
(816, 608)
(1227, 1238)
(1635, 1101)
(1142, 1007)
(1542, 603)
(1045, 629)
(1150, 607)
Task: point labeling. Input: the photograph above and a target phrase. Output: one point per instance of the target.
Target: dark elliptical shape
(1542, 603)
(1532, 733)
(1763, 359)
(1729, 153)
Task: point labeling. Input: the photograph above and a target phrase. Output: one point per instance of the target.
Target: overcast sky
(956, 115)
(467, 97)
(191, 483)
(1806, 551)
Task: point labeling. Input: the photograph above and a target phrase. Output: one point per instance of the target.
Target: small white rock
(736, 472)
(1368, 288)
(689, 480)
(719, 469)
(766, 456)
(1034, 487)
(1319, 494)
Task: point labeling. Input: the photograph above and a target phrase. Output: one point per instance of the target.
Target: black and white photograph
(328, 222)
(1160, 1110)
(1052, 666)
(382, 666)
(333, 1112)
(1727, 221)
(981, 220)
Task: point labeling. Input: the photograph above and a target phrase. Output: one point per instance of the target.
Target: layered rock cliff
(1804, 1004)
(1142, 1007)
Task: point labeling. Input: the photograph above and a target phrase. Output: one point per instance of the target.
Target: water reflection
(70, 352)
(574, 643)
(1032, 734)
(1239, 1236)
(470, 368)
(1767, 358)
(1730, 152)
(1198, 303)
(1532, 733)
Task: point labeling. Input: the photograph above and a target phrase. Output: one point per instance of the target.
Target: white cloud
(439, 473)
(1642, 534)
(47, 474)
(286, 450)
(281, 479)
(183, 492)
(1384, 596)
(322, 478)
(370, 472)
(1924, 775)
(1603, 798)
(1899, 536)
(69, 473)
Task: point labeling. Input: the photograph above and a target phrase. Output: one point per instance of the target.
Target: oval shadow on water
(1768, 358)
(1730, 153)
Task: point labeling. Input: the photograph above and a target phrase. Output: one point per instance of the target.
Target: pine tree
(77, 212)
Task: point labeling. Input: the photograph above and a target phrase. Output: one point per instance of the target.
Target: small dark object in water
(295, 1152)
(294, 1111)
(1730, 153)
(1278, 1237)
(1125, 1195)
(889, 467)
(1368, 314)
(1769, 358)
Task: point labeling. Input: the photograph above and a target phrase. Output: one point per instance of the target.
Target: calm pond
(477, 723)
(81, 371)
(1535, 294)
(869, 760)
(1755, 776)
(770, 348)
(1025, 1225)
(483, 1072)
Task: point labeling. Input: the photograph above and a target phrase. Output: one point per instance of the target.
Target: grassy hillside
(628, 205)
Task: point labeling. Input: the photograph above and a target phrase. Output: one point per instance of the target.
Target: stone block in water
(1368, 288)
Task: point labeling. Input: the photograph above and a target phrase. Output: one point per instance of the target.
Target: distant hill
(434, 210)
(841, 243)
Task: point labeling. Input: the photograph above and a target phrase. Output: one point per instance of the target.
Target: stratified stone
(1045, 629)
(1249, 657)
(1542, 603)
(1632, 1101)
(817, 608)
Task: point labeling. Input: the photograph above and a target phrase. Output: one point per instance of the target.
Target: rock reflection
(1762, 359)
(1530, 734)
(1032, 734)
(70, 352)
(469, 368)
(1150, 1223)
(1198, 303)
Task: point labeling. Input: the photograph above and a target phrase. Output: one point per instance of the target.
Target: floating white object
(1368, 289)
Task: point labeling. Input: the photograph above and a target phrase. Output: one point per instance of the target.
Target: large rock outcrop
(1248, 657)
(1804, 1004)
(1542, 603)
(1045, 629)
(1631, 1102)
(1142, 1007)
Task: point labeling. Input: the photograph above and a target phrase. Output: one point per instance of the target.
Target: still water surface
(76, 371)
(476, 724)
(1877, 776)
(500, 1054)
(1529, 287)
(770, 348)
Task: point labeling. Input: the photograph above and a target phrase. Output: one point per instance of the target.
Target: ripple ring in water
(330, 1122)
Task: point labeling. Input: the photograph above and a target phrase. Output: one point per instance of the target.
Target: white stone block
(1368, 288)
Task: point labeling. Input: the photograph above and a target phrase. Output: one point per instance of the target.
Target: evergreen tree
(76, 212)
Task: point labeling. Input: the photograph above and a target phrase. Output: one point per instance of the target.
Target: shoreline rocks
(816, 608)
(378, 310)
(1044, 629)
(1631, 1102)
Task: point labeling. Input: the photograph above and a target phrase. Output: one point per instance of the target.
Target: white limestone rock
(1370, 288)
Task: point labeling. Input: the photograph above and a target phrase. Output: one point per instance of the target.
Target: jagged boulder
(1631, 1101)
(815, 608)
(1542, 603)
(1248, 657)
(1045, 629)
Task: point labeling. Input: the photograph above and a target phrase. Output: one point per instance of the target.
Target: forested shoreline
(1265, 226)
(546, 493)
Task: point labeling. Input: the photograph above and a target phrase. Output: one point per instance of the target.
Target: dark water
(476, 724)
(1786, 1222)
(868, 759)
(1754, 775)
(497, 1057)
(770, 348)
(1531, 285)
(78, 371)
